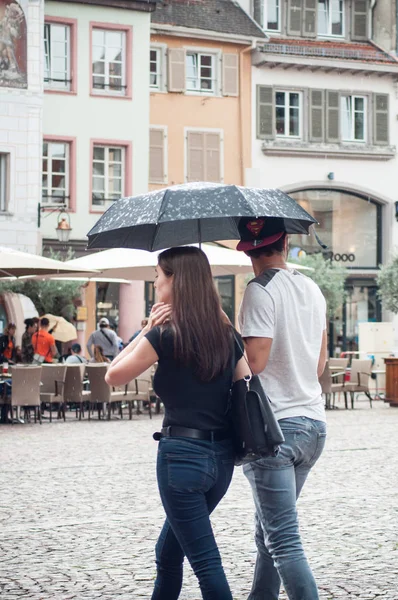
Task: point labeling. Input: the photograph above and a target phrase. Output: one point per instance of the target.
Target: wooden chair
(361, 370)
(73, 389)
(102, 394)
(25, 390)
(52, 389)
(142, 390)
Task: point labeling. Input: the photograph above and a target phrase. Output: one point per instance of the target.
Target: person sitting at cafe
(7, 344)
(44, 343)
(27, 349)
(75, 357)
(99, 356)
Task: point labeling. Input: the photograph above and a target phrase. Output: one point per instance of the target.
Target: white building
(325, 130)
(96, 120)
(21, 99)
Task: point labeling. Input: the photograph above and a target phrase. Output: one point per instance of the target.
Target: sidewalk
(80, 511)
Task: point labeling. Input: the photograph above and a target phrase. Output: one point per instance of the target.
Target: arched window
(349, 224)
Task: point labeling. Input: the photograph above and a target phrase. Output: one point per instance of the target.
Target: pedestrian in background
(283, 323)
(194, 347)
(7, 344)
(75, 357)
(99, 356)
(44, 343)
(144, 323)
(27, 349)
(104, 337)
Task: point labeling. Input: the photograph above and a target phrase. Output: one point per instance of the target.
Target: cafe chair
(103, 395)
(74, 392)
(142, 390)
(338, 368)
(361, 370)
(52, 389)
(25, 390)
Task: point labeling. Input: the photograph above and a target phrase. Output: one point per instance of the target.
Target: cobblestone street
(80, 511)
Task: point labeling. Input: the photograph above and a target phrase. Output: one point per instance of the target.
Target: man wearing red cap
(283, 322)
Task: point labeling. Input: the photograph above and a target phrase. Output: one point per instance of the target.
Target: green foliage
(330, 277)
(48, 296)
(387, 281)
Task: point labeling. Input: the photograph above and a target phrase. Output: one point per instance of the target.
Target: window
(200, 72)
(330, 17)
(204, 156)
(287, 114)
(109, 61)
(155, 68)
(353, 111)
(57, 71)
(55, 175)
(272, 15)
(4, 182)
(108, 174)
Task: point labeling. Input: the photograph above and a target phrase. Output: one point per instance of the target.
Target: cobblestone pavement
(80, 511)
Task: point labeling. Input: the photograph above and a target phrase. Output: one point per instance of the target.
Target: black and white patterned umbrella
(192, 213)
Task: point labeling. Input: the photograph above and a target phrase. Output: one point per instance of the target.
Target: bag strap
(103, 333)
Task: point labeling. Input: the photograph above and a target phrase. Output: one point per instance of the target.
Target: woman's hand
(160, 313)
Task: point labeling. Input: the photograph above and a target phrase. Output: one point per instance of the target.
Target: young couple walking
(283, 327)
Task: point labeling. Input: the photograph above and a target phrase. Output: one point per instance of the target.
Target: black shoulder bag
(256, 432)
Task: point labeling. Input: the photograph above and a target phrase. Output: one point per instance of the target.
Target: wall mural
(13, 45)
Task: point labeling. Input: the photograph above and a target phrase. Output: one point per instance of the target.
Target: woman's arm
(139, 355)
(242, 369)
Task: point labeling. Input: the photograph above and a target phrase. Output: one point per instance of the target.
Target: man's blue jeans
(193, 476)
(276, 485)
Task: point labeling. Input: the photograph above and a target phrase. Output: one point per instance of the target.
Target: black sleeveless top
(188, 401)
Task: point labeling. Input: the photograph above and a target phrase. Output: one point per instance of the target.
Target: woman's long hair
(202, 338)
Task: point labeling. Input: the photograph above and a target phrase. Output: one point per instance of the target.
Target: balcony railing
(325, 52)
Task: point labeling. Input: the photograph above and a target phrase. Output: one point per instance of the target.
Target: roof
(365, 52)
(139, 5)
(222, 16)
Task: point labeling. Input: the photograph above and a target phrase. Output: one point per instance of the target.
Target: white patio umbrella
(140, 265)
(14, 263)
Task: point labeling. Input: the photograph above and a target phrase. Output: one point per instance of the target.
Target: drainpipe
(370, 27)
(241, 115)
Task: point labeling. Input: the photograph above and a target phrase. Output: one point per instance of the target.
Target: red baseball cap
(257, 233)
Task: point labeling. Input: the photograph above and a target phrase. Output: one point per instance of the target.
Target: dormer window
(331, 17)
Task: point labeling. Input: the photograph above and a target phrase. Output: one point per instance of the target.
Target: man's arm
(323, 353)
(257, 351)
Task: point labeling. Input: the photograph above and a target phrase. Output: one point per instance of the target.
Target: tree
(330, 277)
(387, 281)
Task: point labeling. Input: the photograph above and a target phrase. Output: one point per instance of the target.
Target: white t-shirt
(289, 308)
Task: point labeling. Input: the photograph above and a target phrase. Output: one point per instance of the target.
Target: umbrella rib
(161, 213)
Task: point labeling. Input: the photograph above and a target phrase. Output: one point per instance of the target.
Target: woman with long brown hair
(190, 338)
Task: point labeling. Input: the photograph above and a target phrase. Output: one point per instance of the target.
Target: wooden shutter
(359, 20)
(195, 156)
(294, 17)
(176, 70)
(265, 112)
(317, 119)
(156, 156)
(380, 119)
(310, 13)
(258, 12)
(230, 64)
(212, 157)
(332, 116)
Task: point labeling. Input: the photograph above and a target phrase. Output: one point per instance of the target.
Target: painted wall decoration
(13, 45)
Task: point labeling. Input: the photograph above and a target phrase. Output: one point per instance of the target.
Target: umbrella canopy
(14, 263)
(189, 213)
(140, 265)
(63, 331)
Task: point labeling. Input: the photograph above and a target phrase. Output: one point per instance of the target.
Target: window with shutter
(310, 10)
(265, 112)
(317, 118)
(294, 17)
(331, 18)
(203, 156)
(271, 19)
(359, 20)
(176, 70)
(230, 74)
(258, 10)
(332, 116)
(157, 171)
(380, 119)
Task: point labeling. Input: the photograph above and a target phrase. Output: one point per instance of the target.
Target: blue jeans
(276, 485)
(193, 476)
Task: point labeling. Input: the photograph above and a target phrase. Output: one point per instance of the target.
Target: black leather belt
(196, 434)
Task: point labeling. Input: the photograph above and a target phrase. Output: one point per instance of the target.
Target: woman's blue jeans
(193, 476)
(276, 485)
